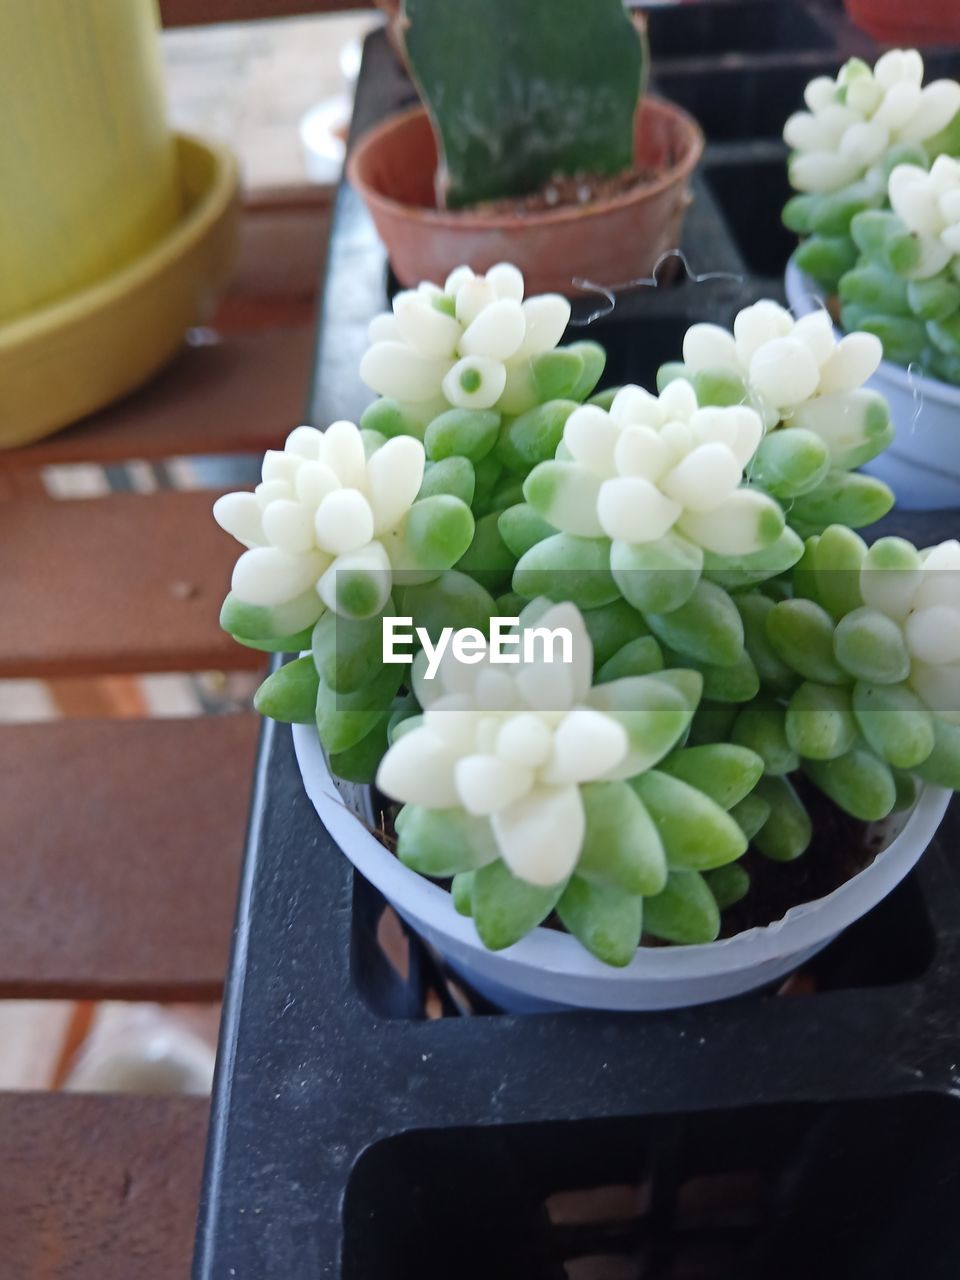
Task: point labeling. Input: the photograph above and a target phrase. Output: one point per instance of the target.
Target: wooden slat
(241, 395)
(283, 243)
(120, 849)
(99, 1187)
(186, 13)
(124, 583)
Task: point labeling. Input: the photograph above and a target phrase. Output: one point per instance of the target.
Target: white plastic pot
(550, 970)
(922, 464)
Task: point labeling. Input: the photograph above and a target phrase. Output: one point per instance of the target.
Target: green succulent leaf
(657, 576)
(605, 920)
(761, 728)
(452, 600)
(729, 884)
(801, 635)
(639, 657)
(344, 719)
(895, 723)
(942, 765)
(346, 651)
(707, 627)
(686, 912)
(564, 567)
(790, 463)
(466, 433)
(787, 832)
(870, 646)
(750, 814)
(859, 782)
(505, 908)
(443, 842)
(461, 891)
(289, 694)
(696, 832)
(820, 723)
(532, 437)
(360, 762)
(488, 559)
(610, 627)
(454, 477)
(725, 772)
(283, 628)
(621, 847)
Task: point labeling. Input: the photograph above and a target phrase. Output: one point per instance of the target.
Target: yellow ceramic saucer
(77, 354)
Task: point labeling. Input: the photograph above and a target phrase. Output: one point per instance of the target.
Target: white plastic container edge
(548, 969)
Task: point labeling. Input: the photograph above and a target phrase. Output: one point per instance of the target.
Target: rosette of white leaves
(853, 120)
(328, 518)
(786, 363)
(510, 747)
(920, 593)
(653, 465)
(928, 202)
(465, 346)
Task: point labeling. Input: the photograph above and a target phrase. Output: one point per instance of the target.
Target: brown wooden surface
(242, 391)
(120, 849)
(185, 13)
(240, 395)
(117, 584)
(99, 1187)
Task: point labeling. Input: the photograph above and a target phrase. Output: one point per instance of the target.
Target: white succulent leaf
(852, 121)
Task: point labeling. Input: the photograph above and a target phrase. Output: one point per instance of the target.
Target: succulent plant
(339, 521)
(858, 127)
(860, 667)
(808, 388)
(537, 789)
(474, 370)
(905, 286)
(520, 94)
(715, 656)
(641, 495)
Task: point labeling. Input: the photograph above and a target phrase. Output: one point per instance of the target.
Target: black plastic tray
(372, 1121)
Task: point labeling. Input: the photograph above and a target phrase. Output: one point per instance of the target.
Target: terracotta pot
(608, 241)
(897, 22)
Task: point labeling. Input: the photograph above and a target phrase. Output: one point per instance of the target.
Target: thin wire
(916, 390)
(609, 292)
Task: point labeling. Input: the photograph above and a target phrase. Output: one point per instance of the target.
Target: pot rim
(560, 954)
(468, 220)
(803, 296)
(119, 285)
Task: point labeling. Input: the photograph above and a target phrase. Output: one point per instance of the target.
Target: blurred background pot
(67, 359)
(608, 240)
(88, 166)
(115, 234)
(907, 22)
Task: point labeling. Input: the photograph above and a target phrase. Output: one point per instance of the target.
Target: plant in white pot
(729, 664)
(873, 166)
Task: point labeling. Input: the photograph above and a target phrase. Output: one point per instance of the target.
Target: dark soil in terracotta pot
(578, 190)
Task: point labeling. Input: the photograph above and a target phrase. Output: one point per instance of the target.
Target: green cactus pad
(518, 94)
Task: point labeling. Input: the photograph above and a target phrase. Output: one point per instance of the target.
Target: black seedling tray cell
(367, 1124)
(716, 31)
(793, 1191)
(748, 186)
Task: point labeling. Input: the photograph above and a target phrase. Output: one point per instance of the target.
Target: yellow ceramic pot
(88, 166)
(64, 360)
